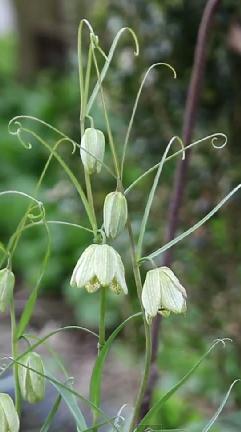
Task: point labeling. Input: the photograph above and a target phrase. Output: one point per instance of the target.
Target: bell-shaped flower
(162, 293)
(9, 420)
(99, 266)
(92, 150)
(32, 384)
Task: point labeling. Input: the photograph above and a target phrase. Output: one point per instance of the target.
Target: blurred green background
(38, 77)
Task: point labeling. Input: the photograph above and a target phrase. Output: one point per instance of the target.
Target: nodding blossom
(162, 293)
(99, 266)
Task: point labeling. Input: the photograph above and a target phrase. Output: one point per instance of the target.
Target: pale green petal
(7, 281)
(3, 421)
(172, 298)
(37, 381)
(151, 293)
(169, 273)
(93, 141)
(22, 375)
(120, 274)
(10, 412)
(115, 213)
(104, 264)
(88, 143)
(100, 151)
(84, 269)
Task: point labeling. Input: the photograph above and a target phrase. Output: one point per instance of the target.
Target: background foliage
(209, 261)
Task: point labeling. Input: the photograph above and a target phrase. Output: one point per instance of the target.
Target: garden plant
(100, 267)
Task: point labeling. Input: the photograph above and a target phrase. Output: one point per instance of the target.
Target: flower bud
(115, 213)
(7, 281)
(9, 421)
(32, 385)
(92, 150)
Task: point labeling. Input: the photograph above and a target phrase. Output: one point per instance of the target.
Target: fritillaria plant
(100, 267)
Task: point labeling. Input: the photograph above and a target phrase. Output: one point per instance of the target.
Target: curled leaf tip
(223, 341)
(133, 34)
(216, 137)
(87, 23)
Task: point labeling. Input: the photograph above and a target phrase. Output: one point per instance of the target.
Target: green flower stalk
(7, 281)
(32, 385)
(115, 214)
(162, 293)
(100, 266)
(92, 150)
(9, 420)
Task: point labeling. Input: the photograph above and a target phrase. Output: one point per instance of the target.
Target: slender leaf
(65, 390)
(51, 415)
(30, 304)
(72, 404)
(107, 64)
(156, 407)
(197, 225)
(213, 138)
(152, 193)
(95, 383)
(220, 408)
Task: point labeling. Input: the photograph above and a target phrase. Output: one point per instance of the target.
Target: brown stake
(191, 107)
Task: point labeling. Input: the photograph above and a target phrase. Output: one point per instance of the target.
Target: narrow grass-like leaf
(152, 194)
(220, 408)
(196, 226)
(49, 420)
(99, 425)
(44, 123)
(136, 105)
(213, 138)
(107, 64)
(95, 383)
(65, 390)
(41, 341)
(71, 402)
(156, 407)
(30, 304)
(67, 170)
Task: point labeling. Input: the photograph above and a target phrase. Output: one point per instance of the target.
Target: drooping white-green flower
(92, 150)
(32, 384)
(9, 421)
(115, 213)
(7, 281)
(99, 266)
(162, 293)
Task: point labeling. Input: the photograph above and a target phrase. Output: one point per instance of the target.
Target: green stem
(102, 318)
(147, 329)
(15, 355)
(145, 377)
(101, 340)
(87, 79)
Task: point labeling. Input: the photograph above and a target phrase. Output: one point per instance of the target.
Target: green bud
(9, 421)
(115, 213)
(32, 385)
(7, 281)
(92, 150)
